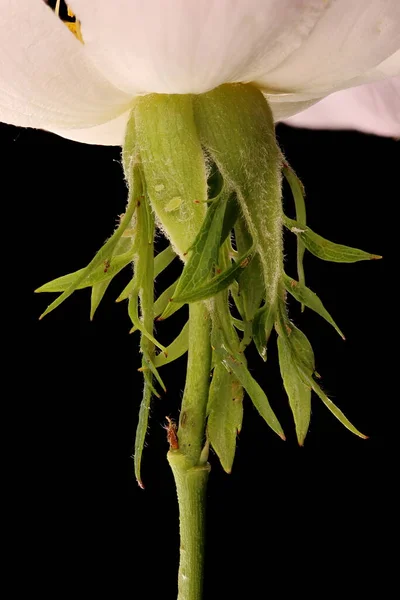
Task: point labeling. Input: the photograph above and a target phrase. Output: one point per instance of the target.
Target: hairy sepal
(235, 125)
(173, 164)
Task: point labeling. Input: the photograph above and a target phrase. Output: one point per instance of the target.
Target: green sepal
(235, 125)
(324, 249)
(173, 165)
(304, 295)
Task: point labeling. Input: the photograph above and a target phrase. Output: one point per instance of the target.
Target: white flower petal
(192, 46)
(310, 47)
(286, 105)
(349, 45)
(46, 79)
(111, 133)
(372, 108)
(283, 107)
(297, 50)
(388, 68)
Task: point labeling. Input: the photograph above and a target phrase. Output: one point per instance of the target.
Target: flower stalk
(191, 485)
(189, 461)
(194, 403)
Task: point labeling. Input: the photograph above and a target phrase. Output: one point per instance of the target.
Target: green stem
(195, 397)
(191, 485)
(189, 464)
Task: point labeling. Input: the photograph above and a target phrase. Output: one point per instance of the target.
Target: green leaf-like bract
(262, 325)
(325, 249)
(296, 359)
(251, 282)
(298, 195)
(103, 257)
(203, 252)
(175, 350)
(143, 290)
(225, 414)
(98, 291)
(217, 283)
(304, 295)
(97, 275)
(253, 389)
(224, 342)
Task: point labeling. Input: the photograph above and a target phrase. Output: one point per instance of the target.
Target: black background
(288, 520)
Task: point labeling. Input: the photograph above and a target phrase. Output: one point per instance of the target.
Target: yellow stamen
(75, 26)
(76, 29)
